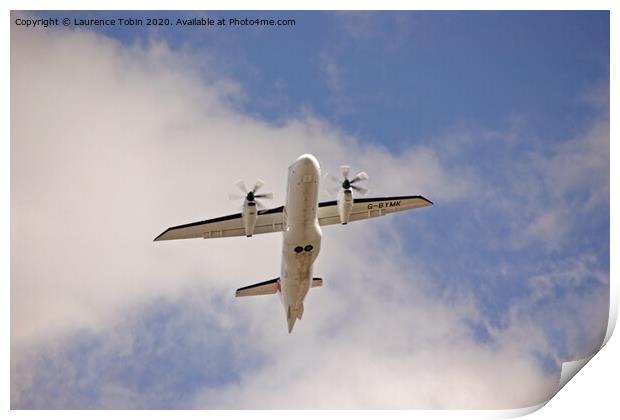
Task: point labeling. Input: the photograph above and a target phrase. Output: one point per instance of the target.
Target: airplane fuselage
(301, 235)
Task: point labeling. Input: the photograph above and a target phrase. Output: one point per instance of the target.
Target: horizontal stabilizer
(268, 287)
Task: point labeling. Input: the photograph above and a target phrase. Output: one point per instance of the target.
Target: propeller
(251, 195)
(345, 183)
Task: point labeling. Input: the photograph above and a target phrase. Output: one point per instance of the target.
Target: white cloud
(125, 143)
(544, 187)
(559, 186)
(378, 340)
(359, 26)
(110, 145)
(332, 72)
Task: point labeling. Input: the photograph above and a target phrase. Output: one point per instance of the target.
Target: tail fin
(290, 319)
(268, 287)
(291, 315)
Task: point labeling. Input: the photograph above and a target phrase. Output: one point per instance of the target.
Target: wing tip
(427, 200)
(159, 237)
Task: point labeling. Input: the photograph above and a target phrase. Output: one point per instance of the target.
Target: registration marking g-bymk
(384, 204)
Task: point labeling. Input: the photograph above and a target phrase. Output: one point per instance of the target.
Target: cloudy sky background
(502, 119)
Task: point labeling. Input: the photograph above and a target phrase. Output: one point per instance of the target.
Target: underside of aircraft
(300, 220)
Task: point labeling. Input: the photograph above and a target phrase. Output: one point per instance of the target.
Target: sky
(500, 118)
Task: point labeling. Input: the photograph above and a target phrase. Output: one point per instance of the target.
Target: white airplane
(300, 221)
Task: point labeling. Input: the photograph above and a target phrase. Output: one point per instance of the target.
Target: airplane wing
(365, 208)
(223, 227)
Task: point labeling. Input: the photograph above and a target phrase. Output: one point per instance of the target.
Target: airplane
(300, 220)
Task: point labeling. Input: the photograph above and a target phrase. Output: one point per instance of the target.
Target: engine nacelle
(345, 205)
(249, 217)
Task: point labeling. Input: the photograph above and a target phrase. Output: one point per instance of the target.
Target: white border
(315, 5)
(591, 395)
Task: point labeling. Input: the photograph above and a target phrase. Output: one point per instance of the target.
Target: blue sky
(407, 74)
(500, 118)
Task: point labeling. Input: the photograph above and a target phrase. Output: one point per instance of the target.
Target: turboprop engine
(250, 204)
(344, 189)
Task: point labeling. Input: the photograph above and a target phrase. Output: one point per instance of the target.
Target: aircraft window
(308, 248)
(298, 249)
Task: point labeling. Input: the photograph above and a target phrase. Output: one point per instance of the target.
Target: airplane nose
(308, 160)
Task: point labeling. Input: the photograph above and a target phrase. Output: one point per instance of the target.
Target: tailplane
(271, 287)
(268, 287)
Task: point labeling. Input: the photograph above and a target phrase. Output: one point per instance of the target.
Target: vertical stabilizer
(290, 319)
